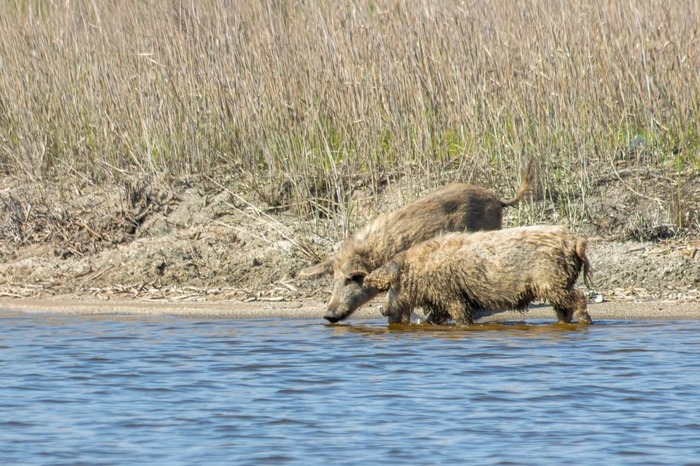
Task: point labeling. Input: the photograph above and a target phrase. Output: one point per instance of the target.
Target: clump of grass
(321, 95)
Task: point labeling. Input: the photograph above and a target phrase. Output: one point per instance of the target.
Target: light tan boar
(463, 276)
(456, 207)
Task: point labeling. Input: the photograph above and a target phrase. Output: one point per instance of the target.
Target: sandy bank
(615, 310)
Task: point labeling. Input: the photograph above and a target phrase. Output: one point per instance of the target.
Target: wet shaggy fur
(458, 275)
(456, 207)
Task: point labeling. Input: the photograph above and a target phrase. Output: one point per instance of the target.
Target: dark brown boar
(463, 276)
(456, 207)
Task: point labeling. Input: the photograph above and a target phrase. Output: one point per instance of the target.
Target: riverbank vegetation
(305, 104)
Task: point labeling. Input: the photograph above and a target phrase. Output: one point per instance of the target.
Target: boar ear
(317, 270)
(355, 268)
(393, 269)
(383, 277)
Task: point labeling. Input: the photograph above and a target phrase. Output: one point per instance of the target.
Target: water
(139, 390)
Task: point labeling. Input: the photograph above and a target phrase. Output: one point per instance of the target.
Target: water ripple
(126, 390)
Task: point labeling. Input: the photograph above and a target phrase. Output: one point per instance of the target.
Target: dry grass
(331, 97)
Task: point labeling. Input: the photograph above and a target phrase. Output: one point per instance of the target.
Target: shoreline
(609, 310)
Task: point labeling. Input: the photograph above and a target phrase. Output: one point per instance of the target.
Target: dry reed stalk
(324, 94)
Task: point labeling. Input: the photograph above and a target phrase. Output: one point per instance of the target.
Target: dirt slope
(188, 243)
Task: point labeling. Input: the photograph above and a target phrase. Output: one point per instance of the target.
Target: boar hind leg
(570, 304)
(437, 318)
(580, 308)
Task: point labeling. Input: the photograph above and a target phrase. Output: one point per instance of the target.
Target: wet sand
(615, 310)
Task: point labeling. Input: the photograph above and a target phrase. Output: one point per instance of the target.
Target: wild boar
(456, 207)
(461, 276)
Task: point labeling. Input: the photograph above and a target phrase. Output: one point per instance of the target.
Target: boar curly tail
(581, 244)
(525, 186)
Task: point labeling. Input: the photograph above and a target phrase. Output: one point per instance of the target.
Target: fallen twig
(96, 275)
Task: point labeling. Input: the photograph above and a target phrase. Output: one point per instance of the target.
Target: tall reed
(328, 95)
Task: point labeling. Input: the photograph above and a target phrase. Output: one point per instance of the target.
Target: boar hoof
(585, 320)
(332, 319)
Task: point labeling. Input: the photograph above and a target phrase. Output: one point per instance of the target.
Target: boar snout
(337, 311)
(343, 307)
(348, 295)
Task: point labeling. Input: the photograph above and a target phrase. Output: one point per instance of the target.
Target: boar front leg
(394, 316)
(460, 312)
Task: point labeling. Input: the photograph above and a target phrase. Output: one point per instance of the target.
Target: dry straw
(329, 96)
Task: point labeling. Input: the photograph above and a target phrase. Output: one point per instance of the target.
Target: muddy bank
(187, 243)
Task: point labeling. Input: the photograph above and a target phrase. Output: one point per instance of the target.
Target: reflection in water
(124, 390)
(453, 331)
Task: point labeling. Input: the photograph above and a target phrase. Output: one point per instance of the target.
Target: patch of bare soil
(185, 242)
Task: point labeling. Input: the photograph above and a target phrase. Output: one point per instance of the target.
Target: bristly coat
(457, 275)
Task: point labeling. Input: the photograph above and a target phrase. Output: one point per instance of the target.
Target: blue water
(139, 390)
